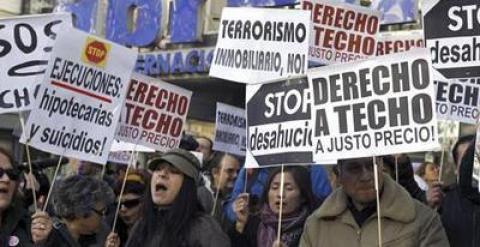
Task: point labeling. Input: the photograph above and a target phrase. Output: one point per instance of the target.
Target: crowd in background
(178, 200)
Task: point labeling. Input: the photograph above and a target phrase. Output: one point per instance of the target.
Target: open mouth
(160, 188)
(3, 190)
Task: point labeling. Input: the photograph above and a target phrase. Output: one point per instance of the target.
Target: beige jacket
(405, 223)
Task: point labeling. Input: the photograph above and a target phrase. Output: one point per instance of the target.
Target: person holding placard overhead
(348, 217)
(172, 215)
(14, 220)
(260, 228)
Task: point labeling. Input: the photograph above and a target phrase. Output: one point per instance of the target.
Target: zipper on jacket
(359, 236)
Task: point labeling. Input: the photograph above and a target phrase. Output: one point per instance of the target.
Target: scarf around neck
(292, 227)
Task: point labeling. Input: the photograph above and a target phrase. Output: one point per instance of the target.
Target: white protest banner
(118, 146)
(278, 123)
(79, 101)
(399, 41)
(120, 157)
(230, 130)
(341, 32)
(25, 48)
(154, 113)
(457, 99)
(452, 32)
(380, 106)
(121, 152)
(256, 45)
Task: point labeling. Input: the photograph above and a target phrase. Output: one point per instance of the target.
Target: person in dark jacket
(80, 204)
(172, 215)
(131, 204)
(460, 210)
(14, 220)
(432, 197)
(258, 230)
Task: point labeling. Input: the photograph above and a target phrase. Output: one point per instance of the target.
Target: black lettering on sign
(20, 40)
(26, 39)
(4, 44)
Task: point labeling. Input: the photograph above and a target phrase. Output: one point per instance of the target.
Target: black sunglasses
(131, 203)
(13, 174)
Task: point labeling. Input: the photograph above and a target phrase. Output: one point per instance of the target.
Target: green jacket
(405, 223)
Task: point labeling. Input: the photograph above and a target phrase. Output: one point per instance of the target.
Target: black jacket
(15, 227)
(204, 231)
(460, 210)
(60, 237)
(249, 236)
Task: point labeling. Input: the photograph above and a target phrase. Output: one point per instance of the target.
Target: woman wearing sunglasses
(80, 204)
(14, 220)
(131, 204)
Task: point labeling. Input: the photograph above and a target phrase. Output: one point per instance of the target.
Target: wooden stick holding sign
(130, 163)
(279, 227)
(444, 142)
(377, 189)
(218, 188)
(53, 183)
(29, 160)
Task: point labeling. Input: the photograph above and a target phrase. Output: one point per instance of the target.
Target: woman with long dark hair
(14, 219)
(172, 215)
(260, 228)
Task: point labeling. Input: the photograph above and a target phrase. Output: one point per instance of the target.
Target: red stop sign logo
(96, 52)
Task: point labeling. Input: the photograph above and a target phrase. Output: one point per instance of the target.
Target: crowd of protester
(179, 200)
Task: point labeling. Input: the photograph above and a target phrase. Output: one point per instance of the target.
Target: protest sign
(278, 123)
(452, 32)
(256, 45)
(396, 11)
(154, 113)
(457, 99)
(341, 32)
(393, 11)
(126, 146)
(25, 47)
(121, 152)
(374, 107)
(120, 157)
(399, 41)
(78, 104)
(230, 130)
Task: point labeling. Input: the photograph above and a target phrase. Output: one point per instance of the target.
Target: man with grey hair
(80, 203)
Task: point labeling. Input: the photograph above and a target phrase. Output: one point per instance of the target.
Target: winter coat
(15, 226)
(405, 223)
(204, 231)
(60, 237)
(460, 210)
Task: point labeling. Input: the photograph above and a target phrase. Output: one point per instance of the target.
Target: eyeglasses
(131, 203)
(11, 173)
(102, 212)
